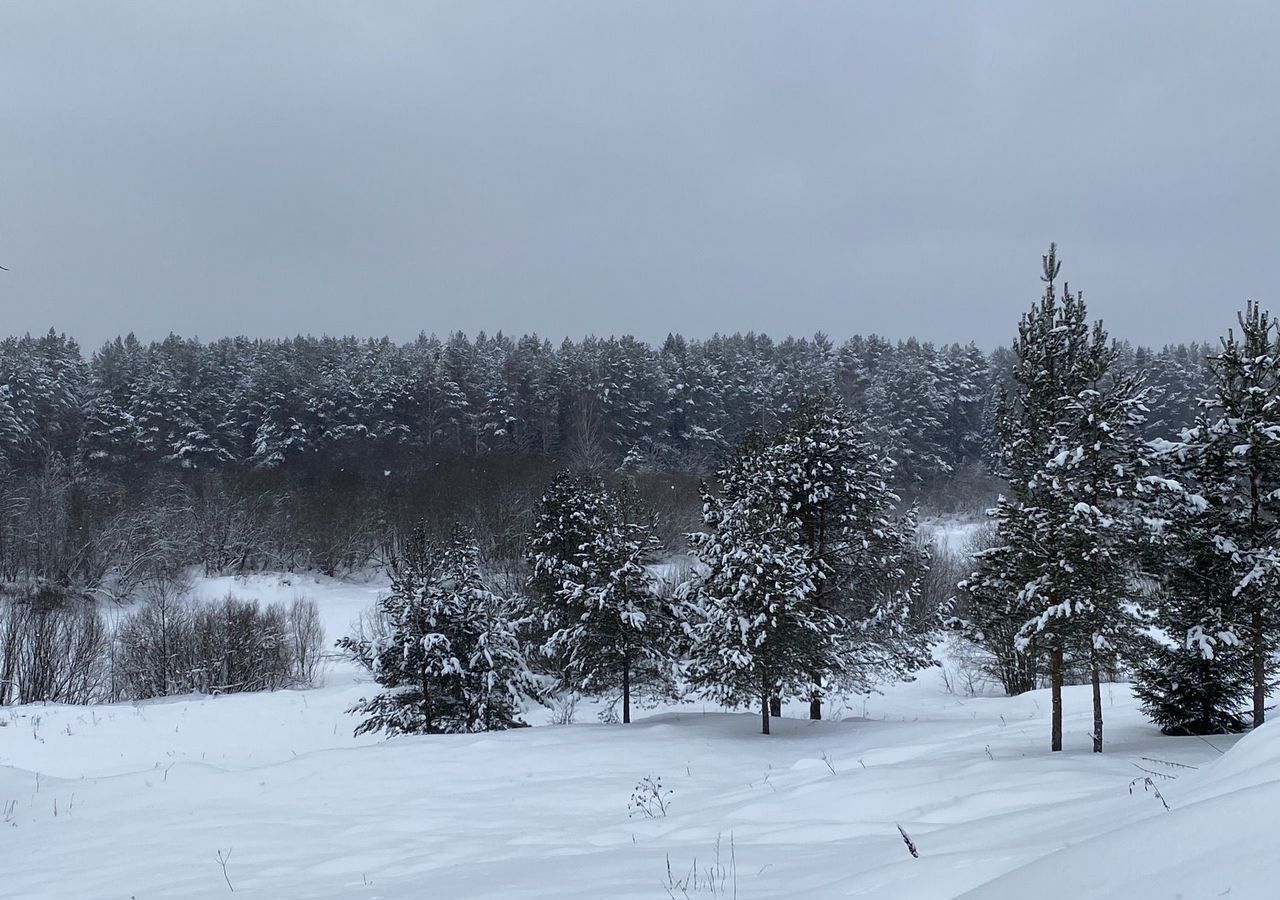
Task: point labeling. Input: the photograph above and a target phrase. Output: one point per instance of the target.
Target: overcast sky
(262, 168)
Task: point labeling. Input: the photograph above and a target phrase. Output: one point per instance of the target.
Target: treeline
(603, 403)
(322, 454)
(1139, 527)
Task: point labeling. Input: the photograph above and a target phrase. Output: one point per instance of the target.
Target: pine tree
(826, 477)
(45, 383)
(1175, 379)
(806, 582)
(1241, 435)
(753, 630)
(1093, 530)
(451, 659)
(909, 407)
(966, 387)
(1068, 447)
(607, 629)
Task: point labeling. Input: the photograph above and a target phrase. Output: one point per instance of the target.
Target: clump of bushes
(55, 649)
(225, 646)
(50, 649)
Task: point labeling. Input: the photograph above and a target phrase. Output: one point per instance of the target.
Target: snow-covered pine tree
(693, 414)
(1093, 527)
(47, 384)
(966, 383)
(1175, 379)
(823, 474)
(1192, 668)
(908, 403)
(1242, 435)
(606, 627)
(753, 630)
(807, 577)
(1050, 524)
(450, 658)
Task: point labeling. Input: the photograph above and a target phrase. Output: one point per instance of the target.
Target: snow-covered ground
(953, 535)
(138, 800)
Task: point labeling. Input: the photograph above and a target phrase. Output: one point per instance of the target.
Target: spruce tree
(450, 659)
(1192, 665)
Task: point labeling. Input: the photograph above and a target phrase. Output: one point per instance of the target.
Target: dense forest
(319, 453)
(605, 403)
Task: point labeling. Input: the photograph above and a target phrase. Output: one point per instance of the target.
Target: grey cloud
(385, 168)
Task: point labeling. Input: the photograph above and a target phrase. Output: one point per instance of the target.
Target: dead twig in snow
(911, 847)
(223, 859)
(1149, 785)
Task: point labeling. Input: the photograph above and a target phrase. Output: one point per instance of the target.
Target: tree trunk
(1097, 705)
(815, 705)
(1259, 642)
(1055, 687)
(426, 703)
(626, 691)
(1259, 671)
(775, 706)
(764, 709)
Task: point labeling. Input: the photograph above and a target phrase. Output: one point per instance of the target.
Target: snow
(137, 800)
(953, 535)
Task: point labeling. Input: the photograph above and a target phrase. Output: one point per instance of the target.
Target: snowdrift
(1217, 840)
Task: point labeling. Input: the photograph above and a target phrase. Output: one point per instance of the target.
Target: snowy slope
(135, 801)
(1217, 840)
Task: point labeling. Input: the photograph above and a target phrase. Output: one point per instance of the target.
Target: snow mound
(1216, 840)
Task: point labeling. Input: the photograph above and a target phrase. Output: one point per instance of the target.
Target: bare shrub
(717, 879)
(968, 669)
(993, 650)
(142, 543)
(172, 646)
(51, 649)
(231, 525)
(153, 649)
(241, 647)
(564, 708)
(307, 635)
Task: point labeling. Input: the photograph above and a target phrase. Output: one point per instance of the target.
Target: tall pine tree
(1068, 447)
(1241, 435)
